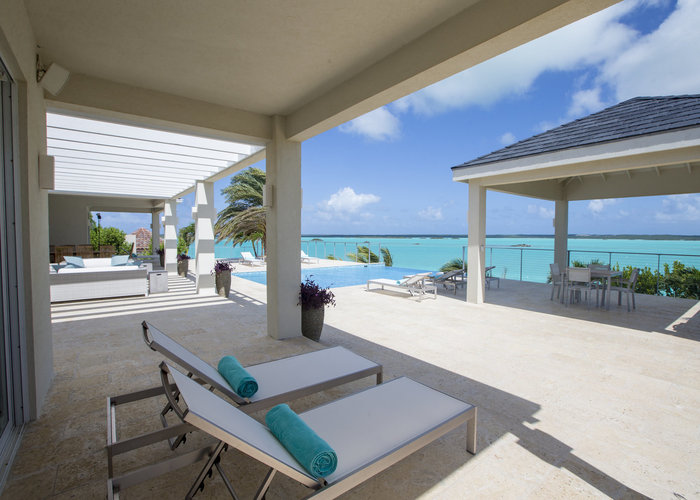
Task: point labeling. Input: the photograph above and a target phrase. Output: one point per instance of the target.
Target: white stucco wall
(17, 49)
(68, 220)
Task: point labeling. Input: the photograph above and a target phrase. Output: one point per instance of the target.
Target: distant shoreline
(549, 236)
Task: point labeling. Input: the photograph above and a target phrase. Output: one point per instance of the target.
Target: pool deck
(573, 403)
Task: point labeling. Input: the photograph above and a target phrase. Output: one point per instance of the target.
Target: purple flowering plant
(312, 296)
(183, 256)
(220, 267)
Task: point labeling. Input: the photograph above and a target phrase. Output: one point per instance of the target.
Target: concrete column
(155, 231)
(283, 199)
(204, 235)
(170, 236)
(561, 232)
(476, 221)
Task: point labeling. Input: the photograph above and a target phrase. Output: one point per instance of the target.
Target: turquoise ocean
(519, 257)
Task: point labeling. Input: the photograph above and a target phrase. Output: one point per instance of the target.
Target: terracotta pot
(312, 322)
(223, 283)
(182, 267)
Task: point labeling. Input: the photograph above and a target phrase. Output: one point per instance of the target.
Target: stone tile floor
(573, 403)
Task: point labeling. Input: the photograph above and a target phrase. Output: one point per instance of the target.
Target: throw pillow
(120, 260)
(73, 262)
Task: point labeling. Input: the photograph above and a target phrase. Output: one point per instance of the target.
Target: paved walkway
(572, 403)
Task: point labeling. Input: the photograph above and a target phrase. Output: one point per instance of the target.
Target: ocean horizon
(519, 257)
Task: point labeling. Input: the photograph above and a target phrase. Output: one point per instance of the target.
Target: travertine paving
(573, 403)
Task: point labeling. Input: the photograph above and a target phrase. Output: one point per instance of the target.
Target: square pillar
(283, 245)
(155, 231)
(476, 240)
(170, 236)
(561, 233)
(204, 235)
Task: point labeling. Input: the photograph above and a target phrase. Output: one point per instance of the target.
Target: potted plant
(222, 278)
(313, 299)
(161, 256)
(183, 264)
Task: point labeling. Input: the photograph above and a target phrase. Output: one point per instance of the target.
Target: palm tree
(453, 265)
(363, 251)
(243, 220)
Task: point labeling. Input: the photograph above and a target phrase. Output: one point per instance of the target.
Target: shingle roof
(635, 117)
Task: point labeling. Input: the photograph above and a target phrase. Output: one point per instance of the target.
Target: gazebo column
(476, 221)
(283, 245)
(561, 233)
(204, 235)
(155, 231)
(170, 236)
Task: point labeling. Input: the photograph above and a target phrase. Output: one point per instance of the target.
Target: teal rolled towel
(312, 452)
(238, 378)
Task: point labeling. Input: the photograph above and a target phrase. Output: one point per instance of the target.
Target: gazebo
(645, 146)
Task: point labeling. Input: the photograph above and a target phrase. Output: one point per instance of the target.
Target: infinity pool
(335, 277)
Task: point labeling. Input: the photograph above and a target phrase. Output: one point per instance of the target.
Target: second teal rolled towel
(312, 452)
(238, 378)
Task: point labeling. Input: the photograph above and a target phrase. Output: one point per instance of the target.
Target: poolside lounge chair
(308, 260)
(249, 260)
(279, 381)
(369, 431)
(449, 279)
(415, 285)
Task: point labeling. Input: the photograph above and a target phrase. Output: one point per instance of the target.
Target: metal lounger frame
(176, 434)
(321, 489)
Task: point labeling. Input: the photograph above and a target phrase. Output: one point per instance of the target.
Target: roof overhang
(657, 164)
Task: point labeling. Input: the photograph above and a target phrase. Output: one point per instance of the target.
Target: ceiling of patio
(98, 157)
(230, 65)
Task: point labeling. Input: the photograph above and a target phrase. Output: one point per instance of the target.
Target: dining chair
(627, 287)
(579, 281)
(558, 280)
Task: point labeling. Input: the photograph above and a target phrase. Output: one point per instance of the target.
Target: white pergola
(641, 147)
(113, 161)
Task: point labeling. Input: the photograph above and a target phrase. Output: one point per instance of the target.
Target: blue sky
(388, 172)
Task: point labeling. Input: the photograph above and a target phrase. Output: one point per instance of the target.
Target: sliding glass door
(11, 344)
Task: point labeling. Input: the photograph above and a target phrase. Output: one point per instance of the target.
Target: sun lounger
(279, 381)
(449, 279)
(369, 431)
(415, 285)
(249, 260)
(308, 260)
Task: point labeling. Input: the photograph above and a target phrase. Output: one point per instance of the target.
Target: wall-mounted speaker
(54, 78)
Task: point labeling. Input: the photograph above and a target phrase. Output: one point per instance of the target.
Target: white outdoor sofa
(98, 279)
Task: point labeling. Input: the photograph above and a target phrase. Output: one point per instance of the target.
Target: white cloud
(589, 41)
(507, 139)
(597, 206)
(344, 202)
(585, 102)
(680, 208)
(431, 213)
(379, 125)
(540, 211)
(663, 62)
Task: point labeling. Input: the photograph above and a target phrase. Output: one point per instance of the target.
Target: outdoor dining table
(607, 275)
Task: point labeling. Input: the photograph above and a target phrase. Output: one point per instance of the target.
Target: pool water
(335, 277)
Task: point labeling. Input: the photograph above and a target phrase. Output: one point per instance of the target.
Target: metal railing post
(521, 264)
(658, 273)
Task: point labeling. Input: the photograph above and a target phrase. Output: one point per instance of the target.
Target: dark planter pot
(223, 283)
(182, 267)
(162, 260)
(312, 322)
